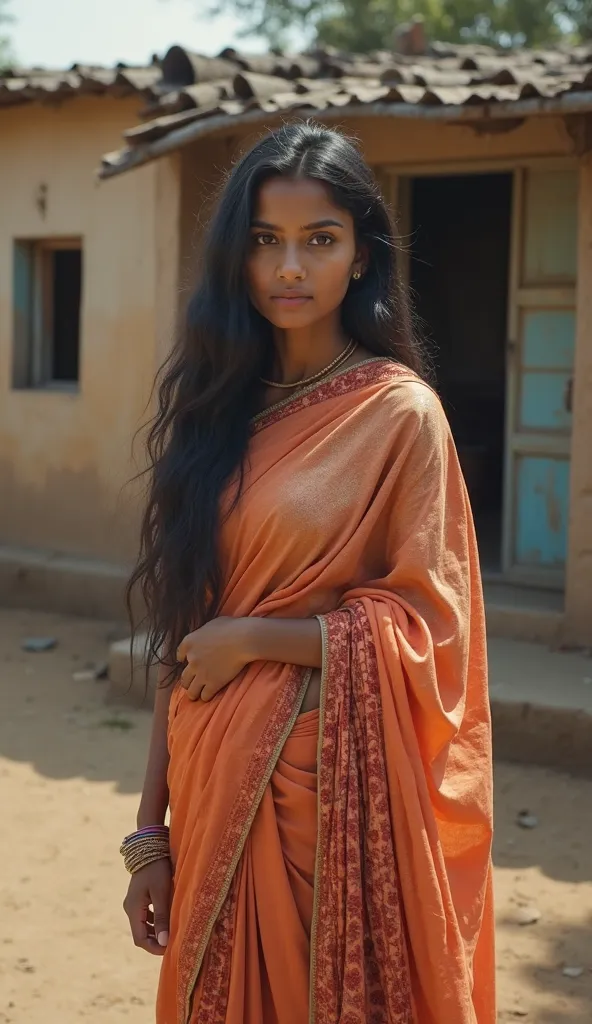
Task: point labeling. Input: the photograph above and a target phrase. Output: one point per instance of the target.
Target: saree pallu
(353, 510)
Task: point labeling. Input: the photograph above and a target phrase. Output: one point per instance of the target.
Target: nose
(290, 266)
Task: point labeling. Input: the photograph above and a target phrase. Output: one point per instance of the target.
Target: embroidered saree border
(342, 382)
(320, 845)
(217, 884)
(217, 963)
(359, 962)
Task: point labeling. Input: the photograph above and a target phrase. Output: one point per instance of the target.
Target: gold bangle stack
(144, 847)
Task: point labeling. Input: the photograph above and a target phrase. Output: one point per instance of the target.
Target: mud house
(488, 159)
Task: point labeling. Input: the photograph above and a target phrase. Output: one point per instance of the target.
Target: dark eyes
(321, 240)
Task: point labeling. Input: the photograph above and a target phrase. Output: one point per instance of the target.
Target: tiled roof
(25, 86)
(185, 88)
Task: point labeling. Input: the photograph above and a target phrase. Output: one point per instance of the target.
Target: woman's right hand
(148, 904)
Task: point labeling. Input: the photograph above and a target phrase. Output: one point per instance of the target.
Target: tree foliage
(364, 25)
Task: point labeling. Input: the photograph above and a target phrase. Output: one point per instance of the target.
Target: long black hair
(209, 386)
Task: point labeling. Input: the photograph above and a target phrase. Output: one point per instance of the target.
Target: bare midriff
(312, 697)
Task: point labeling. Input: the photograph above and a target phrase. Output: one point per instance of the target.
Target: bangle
(144, 847)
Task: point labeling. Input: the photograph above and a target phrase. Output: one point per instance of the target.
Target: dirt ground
(70, 773)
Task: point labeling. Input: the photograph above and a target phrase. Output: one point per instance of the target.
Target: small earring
(357, 275)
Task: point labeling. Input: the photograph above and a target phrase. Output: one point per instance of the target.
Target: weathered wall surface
(579, 567)
(65, 457)
(204, 168)
(411, 141)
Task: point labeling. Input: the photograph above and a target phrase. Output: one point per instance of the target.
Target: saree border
(341, 382)
(312, 1008)
(218, 877)
(357, 881)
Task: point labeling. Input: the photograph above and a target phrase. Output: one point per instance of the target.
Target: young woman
(309, 566)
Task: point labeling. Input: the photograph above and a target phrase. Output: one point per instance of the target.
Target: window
(47, 292)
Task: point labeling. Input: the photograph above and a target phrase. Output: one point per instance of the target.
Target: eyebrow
(327, 223)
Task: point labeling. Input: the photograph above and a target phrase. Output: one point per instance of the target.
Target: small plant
(115, 722)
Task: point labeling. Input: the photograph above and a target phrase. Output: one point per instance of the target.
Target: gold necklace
(341, 358)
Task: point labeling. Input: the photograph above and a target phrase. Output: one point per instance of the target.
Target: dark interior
(67, 284)
(459, 272)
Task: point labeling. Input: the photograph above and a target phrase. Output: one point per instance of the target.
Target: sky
(58, 33)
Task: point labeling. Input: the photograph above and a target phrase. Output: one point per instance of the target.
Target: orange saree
(334, 867)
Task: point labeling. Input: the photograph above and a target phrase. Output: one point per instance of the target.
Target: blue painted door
(541, 356)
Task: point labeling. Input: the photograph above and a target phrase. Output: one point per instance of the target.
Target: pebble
(91, 673)
(84, 676)
(528, 915)
(572, 972)
(36, 644)
(527, 820)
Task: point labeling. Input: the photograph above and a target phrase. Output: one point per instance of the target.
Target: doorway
(459, 263)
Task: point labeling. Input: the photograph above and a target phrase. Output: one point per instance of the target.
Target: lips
(291, 300)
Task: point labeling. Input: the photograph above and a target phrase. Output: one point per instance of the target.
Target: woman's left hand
(215, 655)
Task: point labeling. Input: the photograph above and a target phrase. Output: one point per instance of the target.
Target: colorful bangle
(145, 846)
(148, 830)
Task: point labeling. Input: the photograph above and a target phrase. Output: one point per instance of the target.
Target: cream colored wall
(578, 597)
(64, 457)
(410, 141)
(204, 166)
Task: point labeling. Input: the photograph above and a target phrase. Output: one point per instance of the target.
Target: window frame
(33, 331)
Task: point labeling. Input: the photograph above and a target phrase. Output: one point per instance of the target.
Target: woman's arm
(148, 899)
(220, 650)
(155, 793)
(290, 641)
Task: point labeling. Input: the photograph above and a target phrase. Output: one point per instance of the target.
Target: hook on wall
(41, 199)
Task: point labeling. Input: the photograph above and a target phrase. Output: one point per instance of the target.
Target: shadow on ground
(63, 727)
(559, 999)
(544, 873)
(560, 844)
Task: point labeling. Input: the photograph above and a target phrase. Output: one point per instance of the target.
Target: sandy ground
(70, 774)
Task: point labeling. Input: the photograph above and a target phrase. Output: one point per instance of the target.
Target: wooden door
(540, 368)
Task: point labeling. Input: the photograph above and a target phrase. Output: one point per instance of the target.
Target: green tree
(363, 25)
(6, 53)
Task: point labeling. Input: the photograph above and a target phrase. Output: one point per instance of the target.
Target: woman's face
(302, 255)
